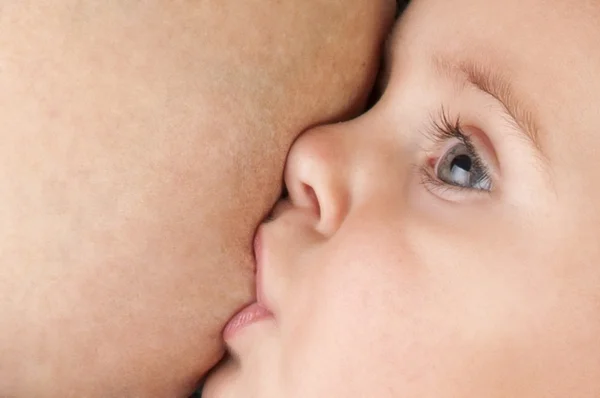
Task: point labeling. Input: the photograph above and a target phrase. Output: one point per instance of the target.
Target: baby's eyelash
(444, 128)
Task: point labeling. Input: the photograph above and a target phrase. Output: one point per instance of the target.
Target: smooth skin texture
(387, 277)
(142, 143)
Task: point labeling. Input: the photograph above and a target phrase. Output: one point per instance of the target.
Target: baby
(445, 243)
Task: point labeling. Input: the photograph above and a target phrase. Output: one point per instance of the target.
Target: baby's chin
(221, 382)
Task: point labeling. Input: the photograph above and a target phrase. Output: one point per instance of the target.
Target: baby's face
(445, 243)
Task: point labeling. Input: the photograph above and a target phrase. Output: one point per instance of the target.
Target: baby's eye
(461, 167)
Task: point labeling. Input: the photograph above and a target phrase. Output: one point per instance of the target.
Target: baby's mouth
(253, 313)
(256, 311)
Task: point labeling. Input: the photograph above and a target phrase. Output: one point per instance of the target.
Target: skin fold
(142, 142)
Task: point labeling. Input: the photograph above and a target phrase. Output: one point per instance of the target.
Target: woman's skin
(142, 142)
(432, 248)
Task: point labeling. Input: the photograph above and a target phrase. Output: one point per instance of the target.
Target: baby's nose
(318, 174)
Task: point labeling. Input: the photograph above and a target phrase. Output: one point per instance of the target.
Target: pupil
(462, 161)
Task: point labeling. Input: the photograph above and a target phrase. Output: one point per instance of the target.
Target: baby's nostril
(312, 195)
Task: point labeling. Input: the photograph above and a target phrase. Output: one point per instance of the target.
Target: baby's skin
(446, 243)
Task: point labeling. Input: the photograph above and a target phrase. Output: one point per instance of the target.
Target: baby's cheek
(342, 331)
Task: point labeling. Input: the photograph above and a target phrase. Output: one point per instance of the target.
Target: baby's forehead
(510, 19)
(547, 49)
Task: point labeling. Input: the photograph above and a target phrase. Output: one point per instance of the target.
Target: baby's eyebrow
(494, 84)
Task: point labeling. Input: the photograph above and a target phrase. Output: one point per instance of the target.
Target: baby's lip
(259, 309)
(259, 248)
(246, 317)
